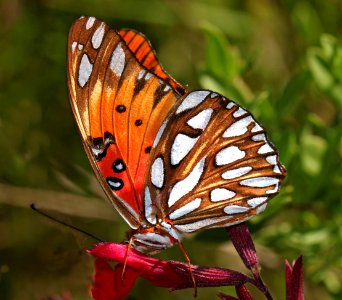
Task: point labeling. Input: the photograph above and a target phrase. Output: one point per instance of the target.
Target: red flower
(294, 280)
(109, 284)
(114, 284)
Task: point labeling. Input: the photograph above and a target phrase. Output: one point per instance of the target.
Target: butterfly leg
(189, 264)
(129, 246)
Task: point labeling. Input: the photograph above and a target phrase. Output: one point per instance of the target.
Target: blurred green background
(280, 59)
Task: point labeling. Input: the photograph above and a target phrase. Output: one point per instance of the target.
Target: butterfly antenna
(189, 264)
(33, 207)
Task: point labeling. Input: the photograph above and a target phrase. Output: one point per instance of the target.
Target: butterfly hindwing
(213, 165)
(119, 105)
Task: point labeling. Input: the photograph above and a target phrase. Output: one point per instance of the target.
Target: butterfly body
(170, 161)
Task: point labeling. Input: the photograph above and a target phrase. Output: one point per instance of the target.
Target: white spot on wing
(186, 185)
(84, 71)
(256, 201)
(234, 173)
(149, 211)
(157, 172)
(97, 38)
(260, 209)
(96, 151)
(73, 46)
(190, 227)
(192, 100)
(259, 138)
(148, 76)
(272, 159)
(117, 62)
(238, 127)
(213, 95)
(220, 194)
(230, 105)
(141, 74)
(186, 209)
(229, 155)
(90, 23)
(166, 88)
(276, 169)
(257, 128)
(235, 209)
(181, 146)
(260, 181)
(80, 47)
(114, 184)
(240, 112)
(265, 149)
(201, 120)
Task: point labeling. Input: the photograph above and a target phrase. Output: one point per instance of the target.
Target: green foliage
(306, 217)
(282, 60)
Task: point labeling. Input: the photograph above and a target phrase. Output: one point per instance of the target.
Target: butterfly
(170, 161)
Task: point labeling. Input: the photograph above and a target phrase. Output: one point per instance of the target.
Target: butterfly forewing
(212, 166)
(144, 53)
(119, 105)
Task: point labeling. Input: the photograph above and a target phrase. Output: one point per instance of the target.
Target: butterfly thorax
(154, 237)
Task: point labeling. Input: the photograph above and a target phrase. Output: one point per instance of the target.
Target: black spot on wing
(100, 145)
(148, 149)
(139, 85)
(120, 108)
(138, 122)
(159, 93)
(115, 183)
(118, 166)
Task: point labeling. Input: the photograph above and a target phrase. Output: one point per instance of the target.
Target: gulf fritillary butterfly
(170, 161)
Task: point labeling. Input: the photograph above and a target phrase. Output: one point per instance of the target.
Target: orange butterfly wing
(119, 105)
(213, 165)
(144, 53)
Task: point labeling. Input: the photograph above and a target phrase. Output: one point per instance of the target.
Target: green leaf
(222, 60)
(313, 148)
(307, 21)
(320, 69)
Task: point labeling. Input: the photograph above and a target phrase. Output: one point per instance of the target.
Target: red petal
(168, 274)
(103, 281)
(243, 243)
(108, 283)
(243, 293)
(294, 284)
(288, 275)
(124, 284)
